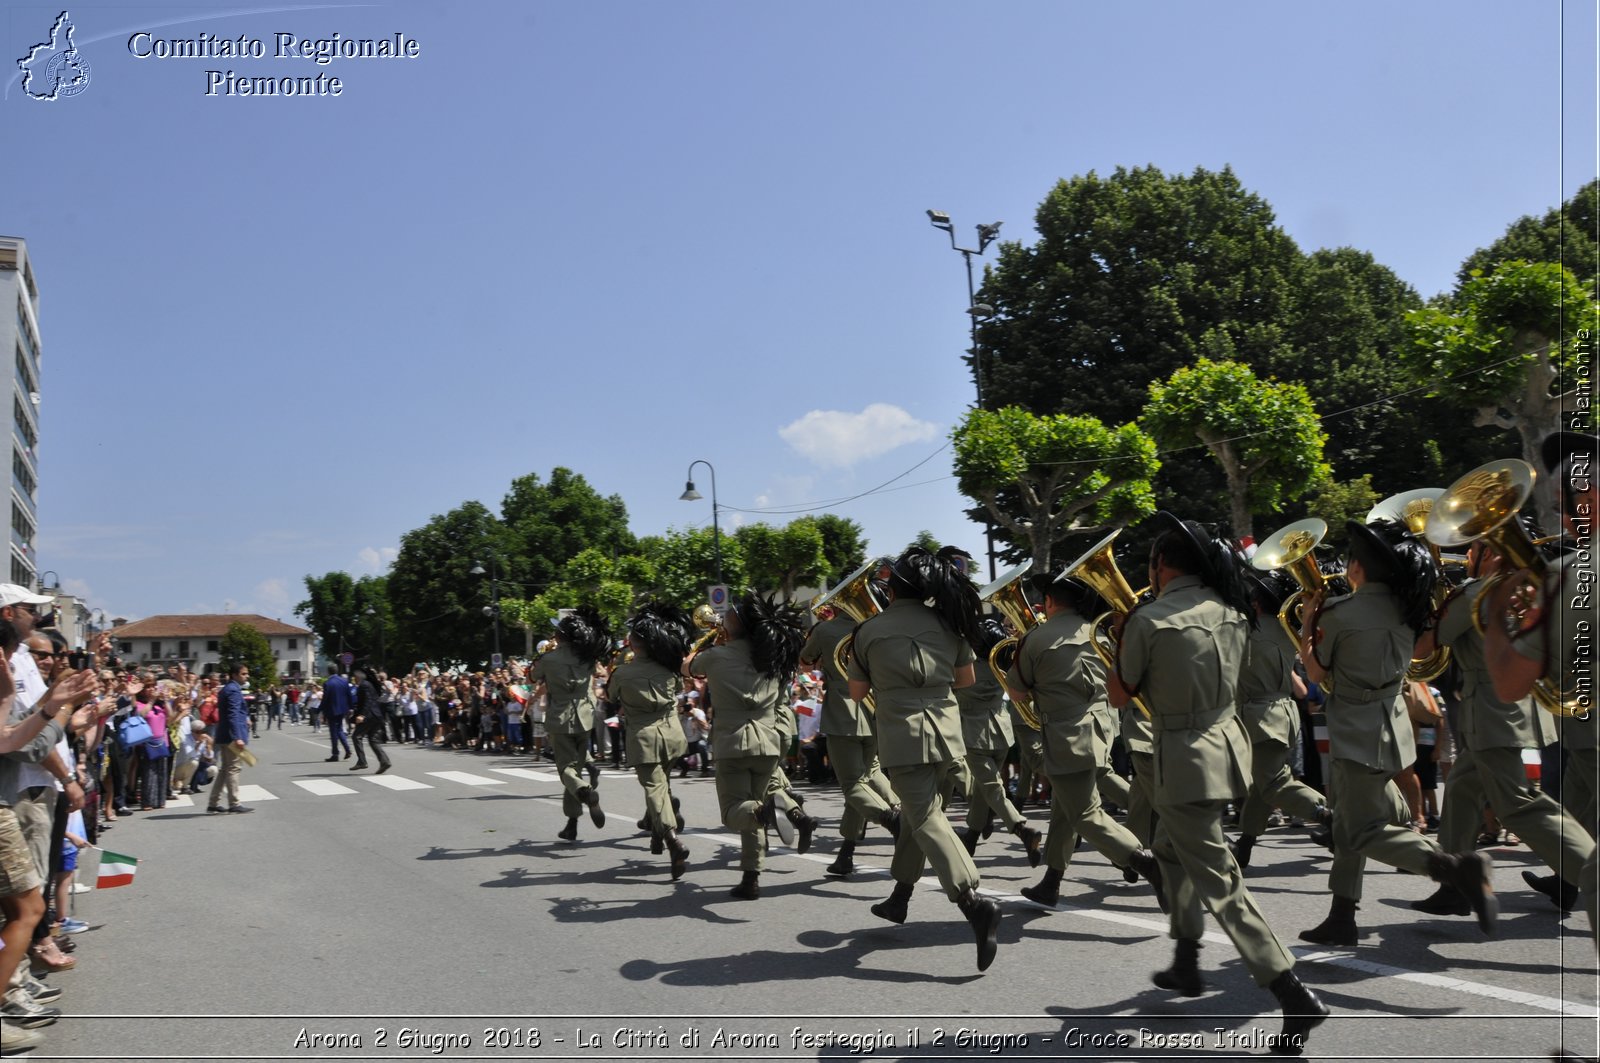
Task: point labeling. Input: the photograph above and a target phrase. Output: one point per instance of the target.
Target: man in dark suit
(337, 703)
(232, 736)
(369, 720)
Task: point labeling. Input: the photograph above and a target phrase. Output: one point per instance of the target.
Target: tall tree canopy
(243, 643)
(1041, 477)
(782, 559)
(1264, 434)
(350, 615)
(438, 602)
(1565, 235)
(549, 523)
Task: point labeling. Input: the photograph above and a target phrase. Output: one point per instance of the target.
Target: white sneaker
(15, 1038)
(79, 887)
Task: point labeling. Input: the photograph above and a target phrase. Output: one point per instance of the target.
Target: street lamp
(52, 584)
(691, 495)
(383, 652)
(976, 312)
(493, 609)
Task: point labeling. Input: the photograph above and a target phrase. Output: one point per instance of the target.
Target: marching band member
(1057, 670)
(1358, 647)
(852, 745)
(646, 686)
(1555, 636)
(910, 657)
(987, 732)
(568, 673)
(1181, 653)
(748, 679)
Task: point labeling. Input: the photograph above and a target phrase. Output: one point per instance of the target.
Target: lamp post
(383, 652)
(492, 609)
(691, 495)
(976, 311)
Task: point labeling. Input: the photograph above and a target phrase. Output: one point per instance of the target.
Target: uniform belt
(1365, 694)
(1193, 721)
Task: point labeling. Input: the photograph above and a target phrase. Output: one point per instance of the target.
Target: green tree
(924, 539)
(685, 564)
(1265, 435)
(1041, 477)
(781, 559)
(243, 643)
(1565, 235)
(349, 614)
(1133, 276)
(1337, 501)
(437, 601)
(549, 523)
(1509, 345)
(844, 545)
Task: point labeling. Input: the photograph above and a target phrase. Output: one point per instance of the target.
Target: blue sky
(278, 333)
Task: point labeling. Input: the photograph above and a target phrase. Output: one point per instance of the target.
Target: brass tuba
(855, 598)
(1097, 568)
(1483, 504)
(1293, 549)
(1009, 597)
(1412, 508)
(707, 620)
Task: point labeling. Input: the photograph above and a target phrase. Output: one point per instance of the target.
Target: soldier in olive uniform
(852, 745)
(646, 687)
(568, 673)
(1359, 646)
(1181, 654)
(987, 732)
(748, 679)
(910, 657)
(1488, 766)
(1030, 757)
(794, 825)
(1057, 670)
(1555, 636)
(1268, 685)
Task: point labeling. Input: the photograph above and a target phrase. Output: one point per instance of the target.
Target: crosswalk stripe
(528, 773)
(323, 787)
(182, 800)
(395, 782)
(466, 778)
(252, 792)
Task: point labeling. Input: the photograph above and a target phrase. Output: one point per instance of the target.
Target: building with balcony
(19, 333)
(195, 640)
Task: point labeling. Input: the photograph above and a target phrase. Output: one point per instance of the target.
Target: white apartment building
(19, 333)
(195, 640)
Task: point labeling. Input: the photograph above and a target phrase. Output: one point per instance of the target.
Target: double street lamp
(976, 311)
(493, 608)
(691, 495)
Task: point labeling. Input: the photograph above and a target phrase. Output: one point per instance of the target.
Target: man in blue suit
(337, 702)
(233, 734)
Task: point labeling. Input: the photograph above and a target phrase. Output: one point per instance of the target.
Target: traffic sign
(717, 597)
(494, 660)
(347, 659)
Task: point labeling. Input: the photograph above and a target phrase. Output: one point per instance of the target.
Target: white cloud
(272, 597)
(376, 558)
(837, 439)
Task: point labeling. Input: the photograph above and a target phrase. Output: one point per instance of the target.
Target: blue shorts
(69, 856)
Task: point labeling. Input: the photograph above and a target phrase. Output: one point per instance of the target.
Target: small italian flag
(115, 870)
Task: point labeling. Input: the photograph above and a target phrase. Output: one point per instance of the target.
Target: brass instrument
(855, 598)
(707, 620)
(1293, 549)
(1097, 567)
(1008, 595)
(1483, 504)
(1412, 508)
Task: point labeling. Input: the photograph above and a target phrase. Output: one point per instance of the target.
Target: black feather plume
(586, 633)
(776, 634)
(661, 632)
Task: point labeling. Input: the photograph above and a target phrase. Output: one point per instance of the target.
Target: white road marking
(251, 792)
(528, 773)
(466, 778)
(395, 782)
(323, 787)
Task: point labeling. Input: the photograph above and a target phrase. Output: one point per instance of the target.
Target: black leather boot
(1469, 874)
(594, 773)
(770, 818)
(894, 909)
(1183, 977)
(983, 914)
(1241, 849)
(988, 824)
(845, 862)
(677, 811)
(890, 821)
(679, 851)
(597, 815)
(569, 833)
(969, 840)
(1302, 1013)
(1339, 929)
(1561, 893)
(806, 826)
(1048, 891)
(1446, 900)
(1032, 842)
(749, 887)
(1149, 868)
(1322, 833)
(657, 844)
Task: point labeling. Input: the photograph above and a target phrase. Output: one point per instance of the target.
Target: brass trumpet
(1008, 595)
(855, 598)
(1412, 508)
(1483, 504)
(707, 620)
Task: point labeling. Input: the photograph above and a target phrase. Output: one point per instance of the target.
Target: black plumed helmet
(586, 633)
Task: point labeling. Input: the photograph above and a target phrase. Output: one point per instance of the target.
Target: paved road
(432, 912)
